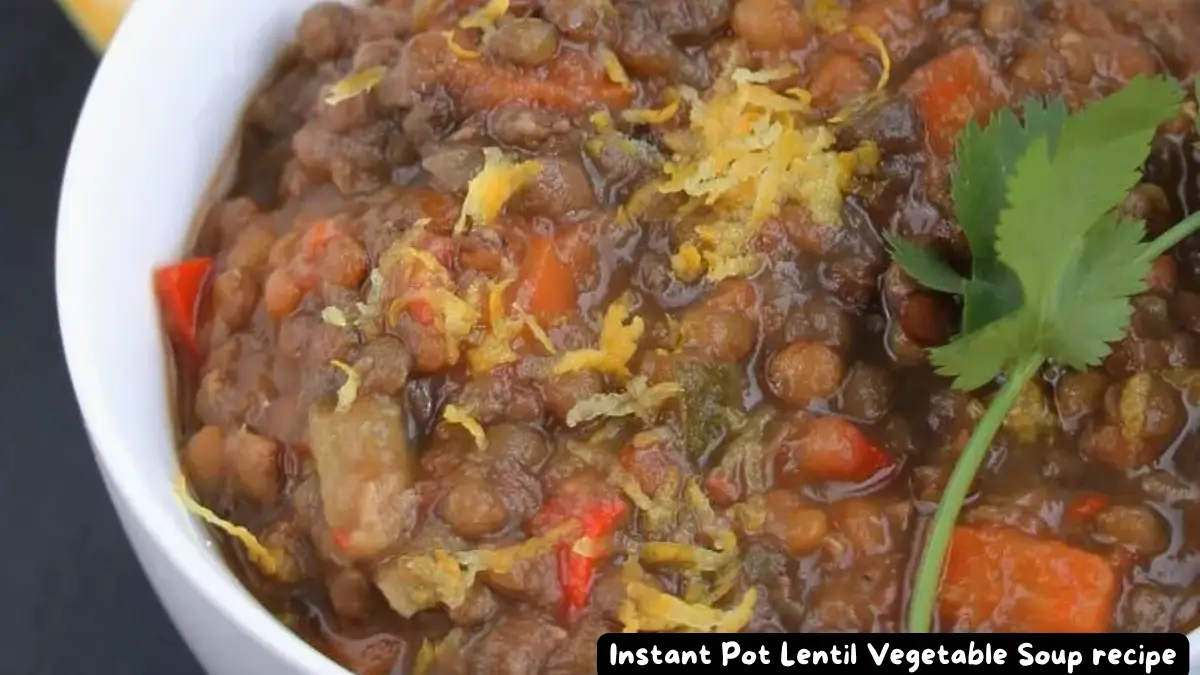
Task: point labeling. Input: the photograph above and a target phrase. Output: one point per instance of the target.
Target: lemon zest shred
(355, 84)
(641, 199)
(490, 354)
(829, 15)
(455, 414)
(639, 398)
(872, 38)
(766, 76)
(444, 577)
(258, 553)
(495, 349)
(426, 655)
(602, 120)
(348, 392)
(802, 95)
(457, 49)
(496, 302)
(537, 331)
(675, 553)
(455, 317)
(654, 115)
(613, 68)
(648, 609)
(498, 180)
(618, 344)
(485, 17)
(747, 151)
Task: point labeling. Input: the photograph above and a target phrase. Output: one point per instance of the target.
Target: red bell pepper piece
(179, 288)
(832, 449)
(1086, 506)
(598, 517)
(422, 311)
(577, 570)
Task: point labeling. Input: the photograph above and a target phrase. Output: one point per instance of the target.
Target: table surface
(73, 600)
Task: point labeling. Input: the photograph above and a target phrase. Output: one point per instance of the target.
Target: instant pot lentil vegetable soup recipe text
(530, 320)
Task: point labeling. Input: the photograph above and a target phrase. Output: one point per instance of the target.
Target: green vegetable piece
(1053, 266)
(709, 391)
(924, 266)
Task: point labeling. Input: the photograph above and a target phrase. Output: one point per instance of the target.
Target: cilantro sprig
(1053, 265)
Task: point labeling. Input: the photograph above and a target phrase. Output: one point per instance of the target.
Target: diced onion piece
(334, 317)
(588, 547)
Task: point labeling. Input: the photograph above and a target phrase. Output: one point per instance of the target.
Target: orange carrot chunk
(569, 84)
(546, 281)
(953, 89)
(1004, 580)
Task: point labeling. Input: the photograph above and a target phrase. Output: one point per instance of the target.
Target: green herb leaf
(986, 159)
(1057, 200)
(1109, 270)
(1037, 202)
(925, 266)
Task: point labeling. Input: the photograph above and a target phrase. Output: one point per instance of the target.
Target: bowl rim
(133, 53)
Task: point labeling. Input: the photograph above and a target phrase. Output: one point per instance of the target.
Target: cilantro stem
(929, 573)
(1176, 234)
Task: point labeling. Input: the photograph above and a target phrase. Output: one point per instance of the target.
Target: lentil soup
(531, 320)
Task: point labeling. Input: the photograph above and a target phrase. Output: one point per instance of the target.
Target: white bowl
(163, 109)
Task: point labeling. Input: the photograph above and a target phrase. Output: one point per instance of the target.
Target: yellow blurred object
(96, 19)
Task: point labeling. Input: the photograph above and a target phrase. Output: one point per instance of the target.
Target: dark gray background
(73, 600)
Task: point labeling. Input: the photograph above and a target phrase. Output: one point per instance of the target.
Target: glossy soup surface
(420, 294)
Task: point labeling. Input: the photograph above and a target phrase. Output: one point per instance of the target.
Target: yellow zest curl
(258, 553)
(455, 414)
(348, 392)
(498, 180)
(457, 49)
